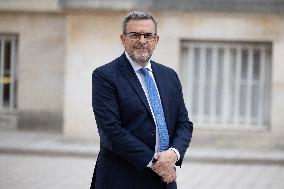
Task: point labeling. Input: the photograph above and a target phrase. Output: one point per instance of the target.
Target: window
(7, 71)
(227, 84)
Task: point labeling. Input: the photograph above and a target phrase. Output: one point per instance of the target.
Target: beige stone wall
(232, 27)
(57, 53)
(93, 40)
(40, 67)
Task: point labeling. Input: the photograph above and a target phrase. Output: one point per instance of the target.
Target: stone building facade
(228, 56)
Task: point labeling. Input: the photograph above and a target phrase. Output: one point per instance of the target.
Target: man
(140, 114)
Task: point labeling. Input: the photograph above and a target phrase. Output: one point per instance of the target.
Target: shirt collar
(137, 66)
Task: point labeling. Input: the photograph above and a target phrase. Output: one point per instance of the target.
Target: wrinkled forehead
(144, 26)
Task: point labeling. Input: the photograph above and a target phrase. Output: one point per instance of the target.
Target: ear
(122, 38)
(157, 39)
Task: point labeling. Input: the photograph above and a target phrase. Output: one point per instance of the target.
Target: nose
(142, 39)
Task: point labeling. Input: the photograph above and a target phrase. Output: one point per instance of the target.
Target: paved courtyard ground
(57, 172)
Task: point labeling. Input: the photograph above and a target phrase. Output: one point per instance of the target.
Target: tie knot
(144, 71)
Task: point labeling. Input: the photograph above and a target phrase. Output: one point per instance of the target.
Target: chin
(143, 59)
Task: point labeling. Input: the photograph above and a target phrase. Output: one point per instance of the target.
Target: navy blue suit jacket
(127, 129)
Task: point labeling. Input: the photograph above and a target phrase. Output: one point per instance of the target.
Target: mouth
(142, 49)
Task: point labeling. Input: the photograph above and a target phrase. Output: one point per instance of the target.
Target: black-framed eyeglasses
(137, 36)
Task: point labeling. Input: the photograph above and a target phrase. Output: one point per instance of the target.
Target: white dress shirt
(140, 76)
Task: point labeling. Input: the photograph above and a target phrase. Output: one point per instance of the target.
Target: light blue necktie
(157, 109)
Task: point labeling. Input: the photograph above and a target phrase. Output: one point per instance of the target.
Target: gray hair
(138, 15)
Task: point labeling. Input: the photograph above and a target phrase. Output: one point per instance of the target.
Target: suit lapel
(161, 84)
(130, 75)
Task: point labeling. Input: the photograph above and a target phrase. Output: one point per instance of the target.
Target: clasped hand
(165, 166)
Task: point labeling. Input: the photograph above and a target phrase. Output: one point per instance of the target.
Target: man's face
(140, 47)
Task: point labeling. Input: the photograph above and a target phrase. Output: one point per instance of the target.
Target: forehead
(146, 26)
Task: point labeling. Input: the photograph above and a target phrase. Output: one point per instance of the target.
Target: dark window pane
(6, 95)
(244, 63)
(256, 64)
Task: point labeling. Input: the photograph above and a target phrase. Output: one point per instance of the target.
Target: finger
(170, 179)
(171, 176)
(159, 171)
(164, 164)
(163, 173)
(168, 176)
(159, 166)
(154, 167)
(166, 179)
(160, 161)
(157, 155)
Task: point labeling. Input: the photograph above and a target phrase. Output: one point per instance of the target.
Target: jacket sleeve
(112, 134)
(183, 127)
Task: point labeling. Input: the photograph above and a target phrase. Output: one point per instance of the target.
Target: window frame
(11, 80)
(188, 79)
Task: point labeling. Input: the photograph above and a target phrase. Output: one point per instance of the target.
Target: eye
(136, 35)
(148, 36)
